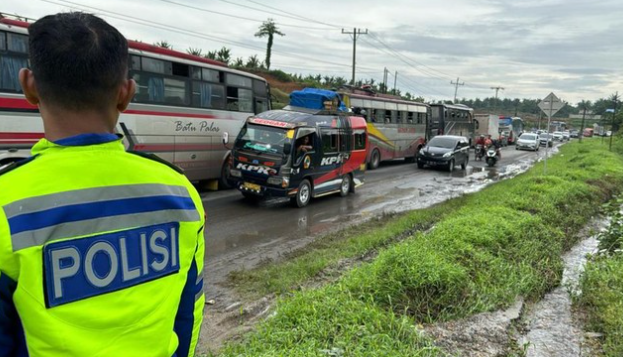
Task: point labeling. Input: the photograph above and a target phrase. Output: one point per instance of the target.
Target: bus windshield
(262, 139)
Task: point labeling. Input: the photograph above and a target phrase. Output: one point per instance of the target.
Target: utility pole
(456, 87)
(497, 89)
(395, 78)
(356, 33)
(581, 133)
(615, 101)
(385, 71)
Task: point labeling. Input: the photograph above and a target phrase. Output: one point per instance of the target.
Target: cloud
(530, 47)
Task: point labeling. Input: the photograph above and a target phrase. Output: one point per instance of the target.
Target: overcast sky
(530, 47)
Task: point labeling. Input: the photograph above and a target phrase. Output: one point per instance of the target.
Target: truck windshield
(262, 139)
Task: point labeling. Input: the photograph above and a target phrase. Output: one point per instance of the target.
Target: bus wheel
(303, 195)
(223, 181)
(345, 186)
(375, 160)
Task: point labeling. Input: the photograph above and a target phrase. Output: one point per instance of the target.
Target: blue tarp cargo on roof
(314, 98)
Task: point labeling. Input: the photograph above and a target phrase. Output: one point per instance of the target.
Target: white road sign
(551, 104)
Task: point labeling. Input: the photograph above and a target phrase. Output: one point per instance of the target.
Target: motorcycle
(480, 152)
(492, 156)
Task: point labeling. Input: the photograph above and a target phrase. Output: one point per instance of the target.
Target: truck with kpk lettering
(311, 148)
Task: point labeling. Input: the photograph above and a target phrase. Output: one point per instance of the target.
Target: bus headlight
(285, 182)
(274, 180)
(235, 173)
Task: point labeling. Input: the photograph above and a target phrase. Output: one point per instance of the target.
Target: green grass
(327, 252)
(498, 244)
(602, 298)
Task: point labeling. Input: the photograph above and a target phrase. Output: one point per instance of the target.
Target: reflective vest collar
(87, 139)
(103, 141)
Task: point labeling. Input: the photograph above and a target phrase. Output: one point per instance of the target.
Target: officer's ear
(27, 81)
(126, 93)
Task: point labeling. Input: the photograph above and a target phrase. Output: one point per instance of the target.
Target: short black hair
(78, 60)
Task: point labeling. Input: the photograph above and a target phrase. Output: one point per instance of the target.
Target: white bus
(183, 107)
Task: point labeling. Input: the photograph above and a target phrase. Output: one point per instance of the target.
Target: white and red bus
(396, 127)
(183, 107)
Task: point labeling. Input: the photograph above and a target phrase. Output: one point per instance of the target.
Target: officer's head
(78, 63)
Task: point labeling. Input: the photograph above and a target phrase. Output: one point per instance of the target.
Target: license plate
(251, 186)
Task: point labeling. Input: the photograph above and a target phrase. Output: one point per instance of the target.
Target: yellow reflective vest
(101, 253)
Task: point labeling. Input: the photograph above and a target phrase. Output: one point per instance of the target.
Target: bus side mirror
(287, 148)
(225, 138)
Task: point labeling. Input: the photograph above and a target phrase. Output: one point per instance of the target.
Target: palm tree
(268, 28)
(238, 62)
(194, 51)
(224, 55)
(210, 55)
(164, 44)
(253, 62)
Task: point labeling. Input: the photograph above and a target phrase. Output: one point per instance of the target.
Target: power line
(385, 51)
(260, 10)
(148, 23)
(240, 17)
(298, 16)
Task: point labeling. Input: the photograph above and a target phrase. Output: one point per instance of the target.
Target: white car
(557, 135)
(566, 135)
(527, 141)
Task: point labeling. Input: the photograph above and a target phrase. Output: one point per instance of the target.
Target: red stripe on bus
(25, 142)
(16, 103)
(13, 103)
(18, 135)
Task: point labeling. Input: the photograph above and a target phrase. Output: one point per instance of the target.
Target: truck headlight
(235, 173)
(274, 180)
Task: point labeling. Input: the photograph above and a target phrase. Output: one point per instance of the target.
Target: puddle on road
(552, 329)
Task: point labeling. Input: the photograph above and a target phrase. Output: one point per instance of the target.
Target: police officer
(101, 250)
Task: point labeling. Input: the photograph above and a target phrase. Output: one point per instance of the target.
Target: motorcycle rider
(480, 147)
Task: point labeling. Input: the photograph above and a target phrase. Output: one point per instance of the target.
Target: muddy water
(549, 327)
(552, 329)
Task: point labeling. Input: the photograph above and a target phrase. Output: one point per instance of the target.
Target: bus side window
(360, 140)
(329, 141)
(410, 117)
(10, 64)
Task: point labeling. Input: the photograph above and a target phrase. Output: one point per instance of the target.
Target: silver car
(527, 141)
(546, 139)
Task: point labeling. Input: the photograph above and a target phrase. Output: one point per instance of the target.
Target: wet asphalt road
(241, 234)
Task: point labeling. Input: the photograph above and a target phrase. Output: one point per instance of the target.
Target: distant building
(588, 115)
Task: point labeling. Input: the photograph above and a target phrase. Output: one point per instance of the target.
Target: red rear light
(243, 159)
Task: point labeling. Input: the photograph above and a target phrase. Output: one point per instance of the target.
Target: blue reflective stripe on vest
(79, 212)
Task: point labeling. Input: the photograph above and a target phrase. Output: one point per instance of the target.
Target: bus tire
(375, 160)
(303, 195)
(223, 181)
(345, 185)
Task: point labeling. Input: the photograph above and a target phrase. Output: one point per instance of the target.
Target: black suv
(446, 151)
